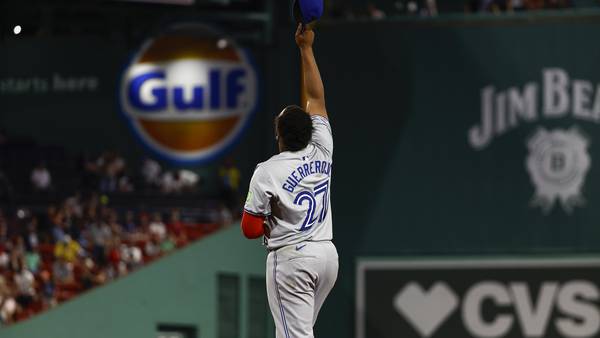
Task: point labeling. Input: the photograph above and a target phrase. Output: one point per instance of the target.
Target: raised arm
(313, 92)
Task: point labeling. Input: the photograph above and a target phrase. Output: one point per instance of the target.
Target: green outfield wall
(453, 137)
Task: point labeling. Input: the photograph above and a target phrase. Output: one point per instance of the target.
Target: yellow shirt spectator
(230, 176)
(67, 249)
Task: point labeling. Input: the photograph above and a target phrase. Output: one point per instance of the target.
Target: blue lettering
(197, 101)
(214, 78)
(324, 166)
(318, 166)
(288, 188)
(159, 93)
(306, 169)
(234, 87)
(294, 176)
(312, 168)
(301, 172)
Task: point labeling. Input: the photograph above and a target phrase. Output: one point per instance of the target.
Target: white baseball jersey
(292, 190)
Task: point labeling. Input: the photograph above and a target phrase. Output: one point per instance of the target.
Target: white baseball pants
(299, 278)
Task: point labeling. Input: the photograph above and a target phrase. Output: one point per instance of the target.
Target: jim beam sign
(544, 298)
(558, 159)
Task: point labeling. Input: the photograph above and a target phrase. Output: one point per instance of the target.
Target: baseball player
(289, 203)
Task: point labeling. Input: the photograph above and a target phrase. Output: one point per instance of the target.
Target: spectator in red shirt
(177, 228)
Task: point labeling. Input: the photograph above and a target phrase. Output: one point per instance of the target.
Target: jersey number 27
(313, 198)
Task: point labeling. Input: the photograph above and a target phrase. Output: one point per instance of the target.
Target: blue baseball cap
(307, 11)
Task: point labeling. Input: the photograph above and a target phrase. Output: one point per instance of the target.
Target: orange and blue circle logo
(188, 94)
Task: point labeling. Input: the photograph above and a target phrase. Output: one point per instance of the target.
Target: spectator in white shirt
(179, 181)
(157, 227)
(25, 283)
(151, 172)
(41, 178)
(171, 182)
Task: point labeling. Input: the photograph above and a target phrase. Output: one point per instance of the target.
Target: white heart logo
(426, 311)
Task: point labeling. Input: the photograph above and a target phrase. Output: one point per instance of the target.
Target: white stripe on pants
(299, 278)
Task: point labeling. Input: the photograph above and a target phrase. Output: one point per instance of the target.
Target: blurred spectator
(178, 181)
(4, 259)
(171, 182)
(431, 6)
(101, 235)
(18, 250)
(47, 290)
(130, 225)
(412, 7)
(73, 204)
(59, 227)
(68, 249)
(31, 257)
(230, 175)
(31, 243)
(92, 275)
(516, 5)
(135, 257)
(62, 271)
(88, 279)
(168, 244)
(31, 235)
(117, 264)
(177, 228)
(230, 179)
(151, 172)
(111, 166)
(131, 256)
(41, 178)
(374, 12)
(8, 305)
(25, 283)
(125, 184)
(3, 229)
(152, 247)
(113, 223)
(142, 232)
(190, 180)
(157, 227)
(32, 261)
(226, 217)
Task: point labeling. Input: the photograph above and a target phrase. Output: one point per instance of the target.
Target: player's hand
(305, 36)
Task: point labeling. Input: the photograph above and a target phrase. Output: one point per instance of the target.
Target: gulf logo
(188, 94)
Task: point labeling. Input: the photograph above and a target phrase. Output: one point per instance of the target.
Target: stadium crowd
(50, 257)
(69, 235)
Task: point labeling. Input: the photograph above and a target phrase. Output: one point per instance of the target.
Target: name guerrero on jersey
(292, 190)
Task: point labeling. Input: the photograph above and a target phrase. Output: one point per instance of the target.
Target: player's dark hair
(295, 128)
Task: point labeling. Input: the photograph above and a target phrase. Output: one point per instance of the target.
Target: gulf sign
(188, 94)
